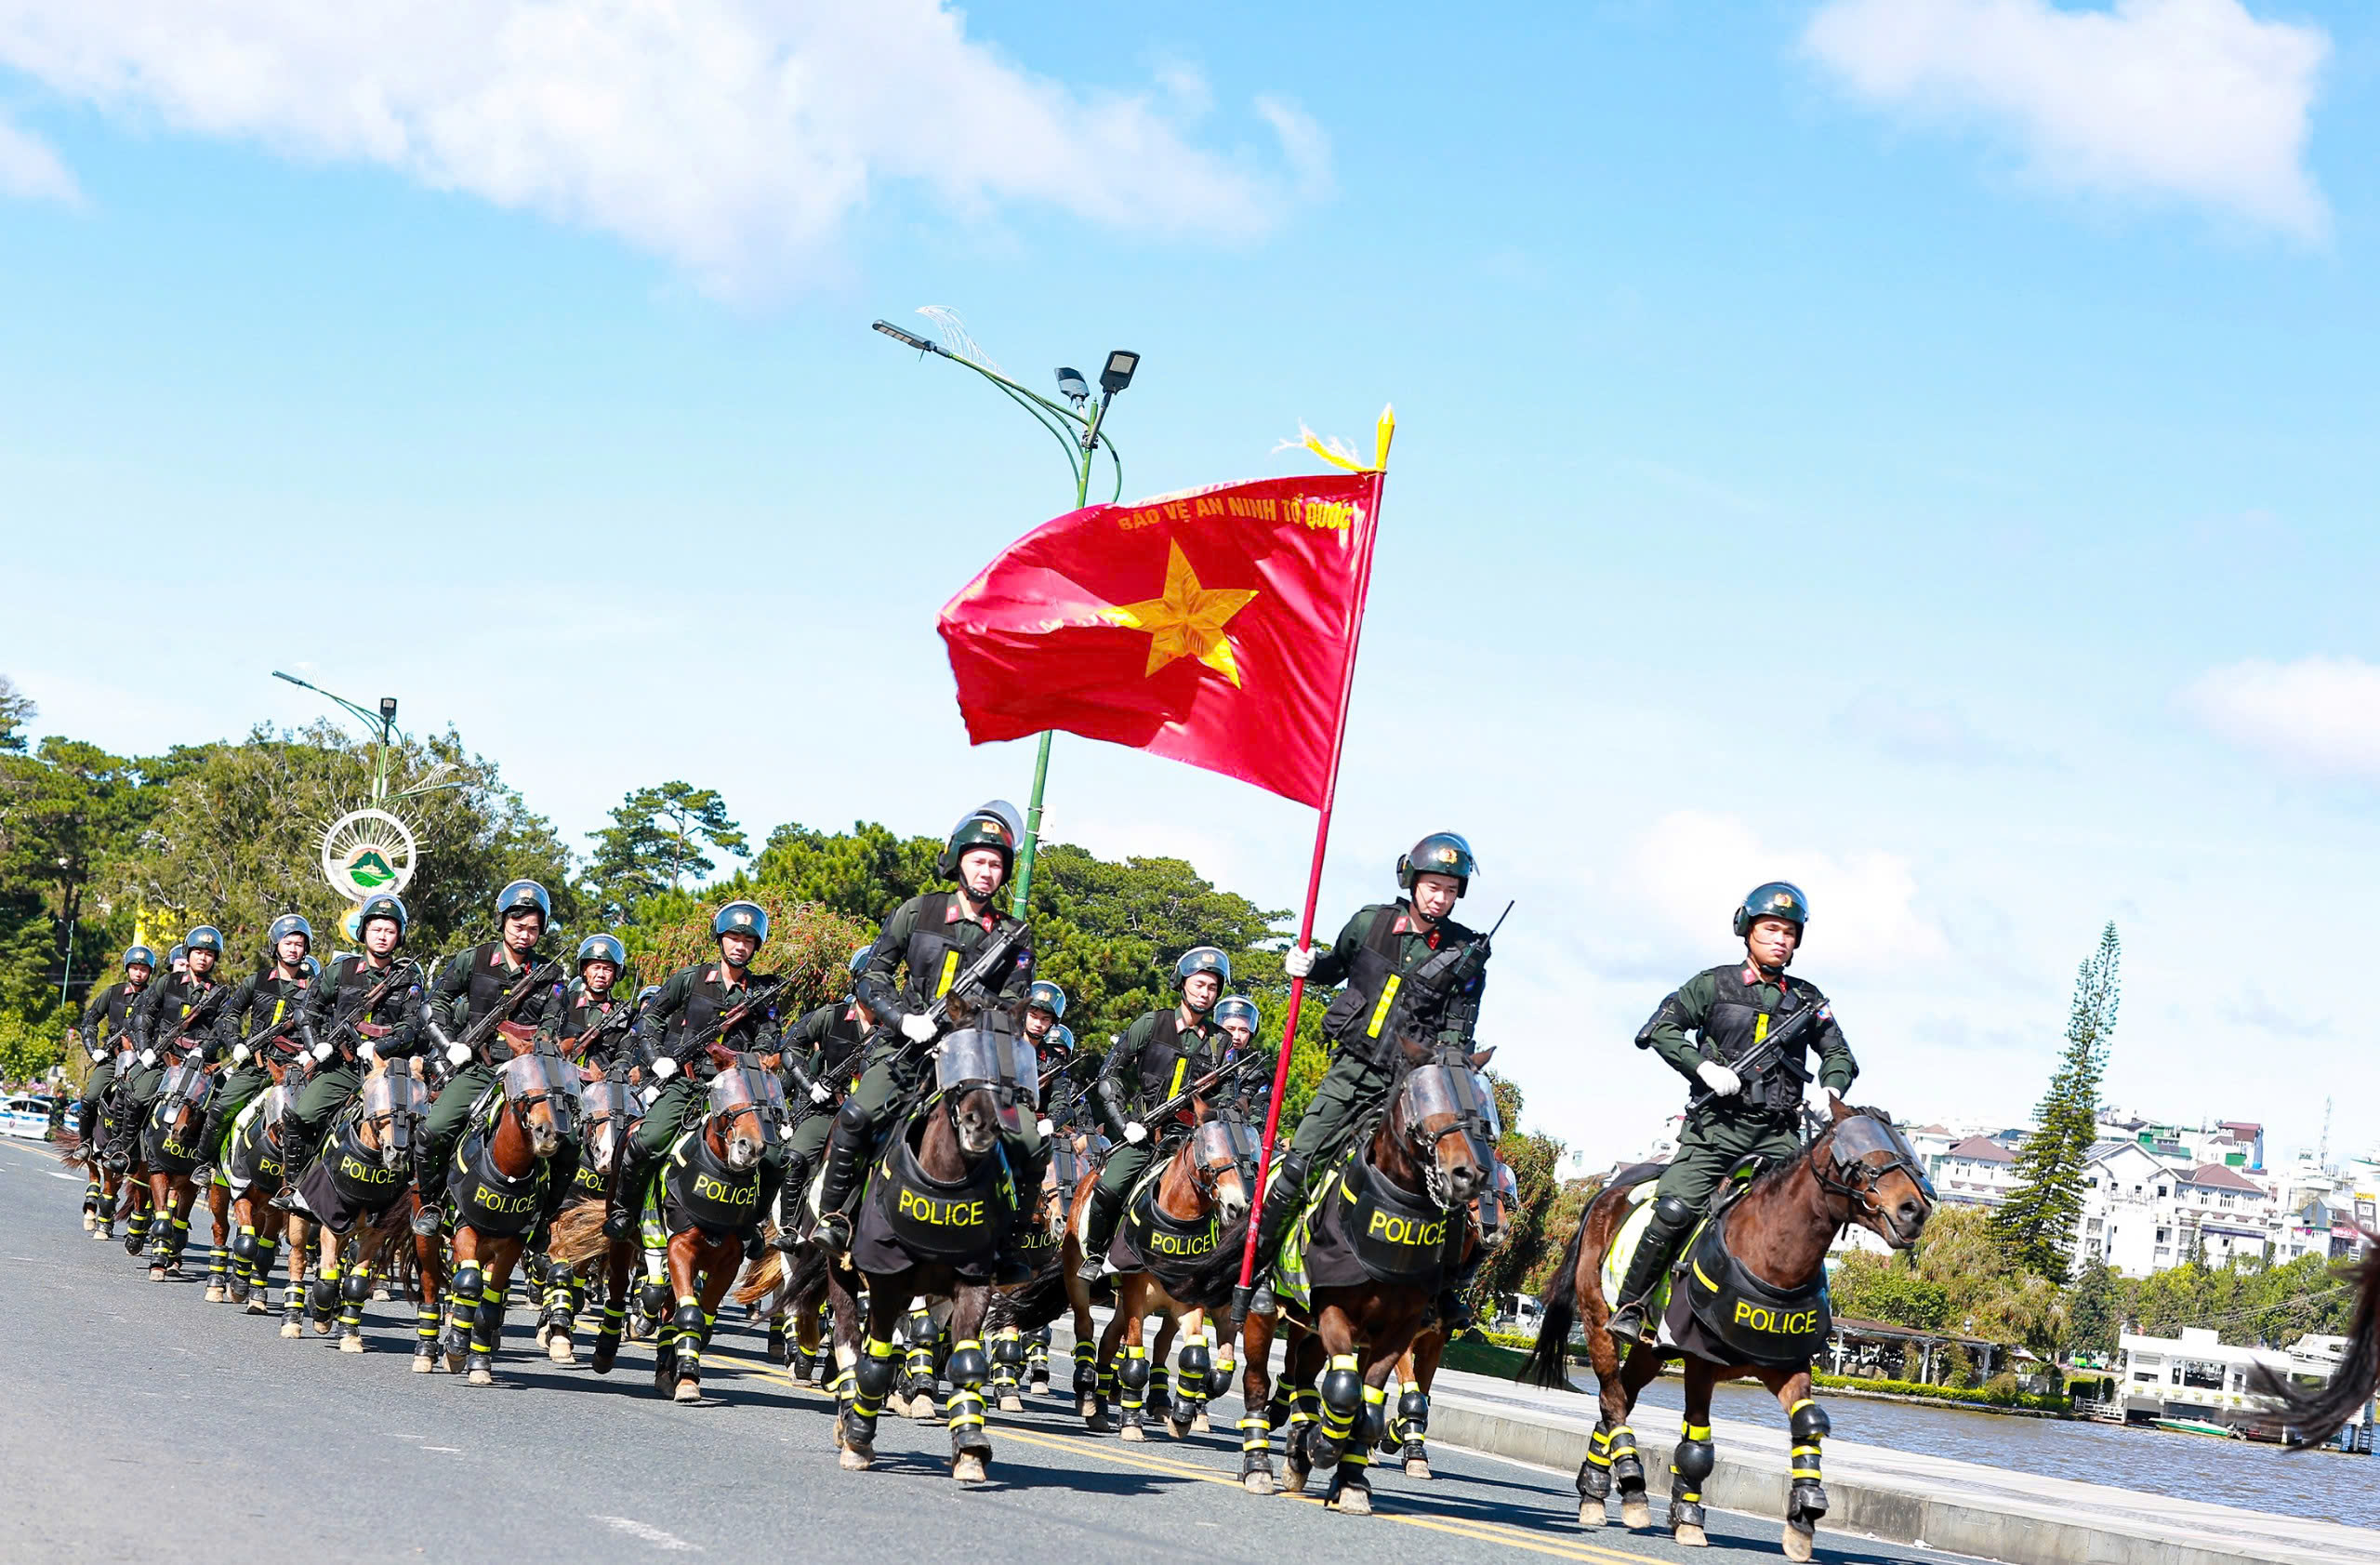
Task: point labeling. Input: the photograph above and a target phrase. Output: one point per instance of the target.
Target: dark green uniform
(827, 1045)
(163, 1008)
(336, 1022)
(1730, 1010)
(567, 1024)
(1380, 948)
(257, 1002)
(1158, 1055)
(470, 985)
(107, 1027)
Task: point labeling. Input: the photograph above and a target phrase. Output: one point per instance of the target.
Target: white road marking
(449, 1449)
(645, 1531)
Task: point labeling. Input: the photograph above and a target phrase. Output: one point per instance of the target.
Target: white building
(1975, 1172)
(2128, 1215)
(2194, 1376)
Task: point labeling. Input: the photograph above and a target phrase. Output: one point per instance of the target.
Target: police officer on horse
(163, 1008)
(364, 1006)
(469, 987)
(1712, 1030)
(719, 1003)
(590, 1005)
(824, 1050)
(259, 1001)
(107, 1022)
(1161, 1053)
(914, 962)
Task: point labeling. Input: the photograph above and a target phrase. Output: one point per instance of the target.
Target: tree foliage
(2036, 1224)
(1536, 1162)
(654, 843)
(17, 709)
(809, 943)
(1956, 1279)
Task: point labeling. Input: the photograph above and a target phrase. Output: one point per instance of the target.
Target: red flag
(1212, 626)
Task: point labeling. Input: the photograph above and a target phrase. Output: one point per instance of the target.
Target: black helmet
(140, 956)
(603, 948)
(206, 938)
(987, 826)
(1046, 996)
(521, 895)
(1202, 959)
(382, 904)
(287, 925)
(741, 917)
(1240, 1006)
(1774, 899)
(1440, 853)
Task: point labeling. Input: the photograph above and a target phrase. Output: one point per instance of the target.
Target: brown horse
(1430, 1155)
(497, 1191)
(1015, 1355)
(168, 1157)
(943, 1167)
(248, 1180)
(1858, 1170)
(1200, 1190)
(364, 1178)
(606, 1114)
(1405, 1434)
(2313, 1416)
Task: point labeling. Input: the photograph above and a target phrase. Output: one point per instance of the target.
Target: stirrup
(426, 1219)
(1095, 1268)
(833, 1233)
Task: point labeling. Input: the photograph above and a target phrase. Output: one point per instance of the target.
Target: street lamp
(385, 721)
(1078, 432)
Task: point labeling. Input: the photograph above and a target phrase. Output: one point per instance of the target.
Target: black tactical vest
(708, 999)
(940, 945)
(180, 996)
(353, 980)
(1359, 1012)
(357, 1174)
(486, 1200)
(1165, 1243)
(489, 982)
(840, 1050)
(1738, 1023)
(1172, 1059)
(1761, 1324)
(584, 1011)
(116, 1010)
(269, 999)
(931, 1219)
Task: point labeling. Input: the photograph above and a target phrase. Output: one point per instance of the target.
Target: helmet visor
(186, 1083)
(1218, 1141)
(1437, 1092)
(994, 1058)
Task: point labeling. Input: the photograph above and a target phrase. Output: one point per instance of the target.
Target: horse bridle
(1423, 1143)
(1872, 1133)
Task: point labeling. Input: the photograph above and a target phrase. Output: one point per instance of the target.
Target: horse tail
(2314, 1416)
(760, 1279)
(1032, 1306)
(1547, 1359)
(579, 1236)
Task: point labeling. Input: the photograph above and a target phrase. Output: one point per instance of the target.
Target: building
(1977, 1170)
(2196, 1377)
(2128, 1215)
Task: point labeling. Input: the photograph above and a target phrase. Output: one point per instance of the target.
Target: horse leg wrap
(243, 1246)
(1038, 1354)
(1808, 1503)
(1412, 1415)
(1283, 1406)
(871, 1378)
(1627, 1466)
(967, 1368)
(1595, 1472)
(1690, 1464)
(322, 1297)
(1008, 1356)
(352, 1292)
(1086, 1374)
(1160, 1396)
(969, 1365)
(653, 1300)
(487, 1325)
(425, 1330)
(1132, 1378)
(1255, 1444)
(1198, 1371)
(1375, 1425)
(1106, 1383)
(692, 1329)
(1342, 1389)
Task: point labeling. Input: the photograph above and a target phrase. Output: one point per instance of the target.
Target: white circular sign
(366, 852)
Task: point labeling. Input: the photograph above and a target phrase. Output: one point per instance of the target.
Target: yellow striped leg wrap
(862, 1404)
(1335, 1425)
(1255, 1434)
(1134, 1401)
(1360, 1452)
(1687, 1431)
(965, 1408)
(1599, 1448)
(483, 1324)
(350, 1311)
(1306, 1407)
(425, 1326)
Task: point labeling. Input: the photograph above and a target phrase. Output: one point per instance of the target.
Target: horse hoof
(381, 1295)
(1294, 1483)
(544, 1332)
(854, 1460)
(1011, 1402)
(1417, 1467)
(1178, 1427)
(479, 1376)
(1256, 1483)
(1797, 1543)
(1688, 1535)
(454, 1363)
(971, 1467)
(216, 1294)
(424, 1364)
(1132, 1433)
(1352, 1501)
(1636, 1513)
(352, 1343)
(90, 1221)
(257, 1305)
(1200, 1425)
(1591, 1513)
(1087, 1407)
(922, 1410)
(292, 1330)
(688, 1391)
(558, 1348)
(1099, 1424)
(156, 1274)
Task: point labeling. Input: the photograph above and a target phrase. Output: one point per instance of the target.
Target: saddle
(1720, 1311)
(1360, 1229)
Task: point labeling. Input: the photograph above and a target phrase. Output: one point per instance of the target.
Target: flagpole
(1246, 1289)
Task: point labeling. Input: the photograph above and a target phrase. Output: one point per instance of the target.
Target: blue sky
(1922, 449)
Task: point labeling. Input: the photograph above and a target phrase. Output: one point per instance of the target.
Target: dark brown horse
(366, 1166)
(1857, 1170)
(1405, 1432)
(497, 1192)
(1430, 1154)
(2314, 1415)
(606, 1114)
(251, 1176)
(952, 1141)
(169, 1158)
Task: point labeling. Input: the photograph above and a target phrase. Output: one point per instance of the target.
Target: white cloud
(1693, 865)
(2318, 714)
(30, 170)
(2193, 98)
(733, 137)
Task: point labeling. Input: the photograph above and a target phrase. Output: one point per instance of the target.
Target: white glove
(664, 1068)
(1719, 1078)
(821, 1094)
(369, 1053)
(917, 1028)
(148, 1056)
(1298, 961)
(457, 1056)
(239, 1054)
(1045, 1127)
(1136, 1133)
(321, 1052)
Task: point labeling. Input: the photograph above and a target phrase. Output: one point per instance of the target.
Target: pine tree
(652, 843)
(2035, 1226)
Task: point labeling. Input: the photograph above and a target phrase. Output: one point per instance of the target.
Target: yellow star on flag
(1187, 621)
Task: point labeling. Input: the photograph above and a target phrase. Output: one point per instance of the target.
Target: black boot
(1671, 1221)
(430, 1180)
(86, 1123)
(790, 1199)
(1098, 1233)
(846, 1155)
(1284, 1198)
(628, 1192)
(296, 1156)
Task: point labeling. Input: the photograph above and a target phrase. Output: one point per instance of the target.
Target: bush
(1983, 1396)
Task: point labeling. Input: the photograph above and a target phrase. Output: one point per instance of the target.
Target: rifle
(475, 1035)
(1445, 975)
(994, 955)
(202, 1016)
(1213, 1078)
(619, 1018)
(757, 999)
(264, 1034)
(1767, 1054)
(345, 1029)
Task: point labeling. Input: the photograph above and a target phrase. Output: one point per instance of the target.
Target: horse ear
(1840, 1109)
(1479, 1061)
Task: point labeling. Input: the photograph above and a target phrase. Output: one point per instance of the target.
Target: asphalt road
(144, 1424)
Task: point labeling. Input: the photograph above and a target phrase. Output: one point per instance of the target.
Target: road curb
(2020, 1531)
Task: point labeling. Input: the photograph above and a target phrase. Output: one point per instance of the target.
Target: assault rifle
(475, 1035)
(1768, 1055)
(967, 986)
(1439, 979)
(1213, 1078)
(201, 1019)
(618, 1019)
(266, 1033)
(757, 999)
(346, 1031)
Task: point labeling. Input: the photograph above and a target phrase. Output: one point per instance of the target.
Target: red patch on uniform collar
(1401, 925)
(1751, 975)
